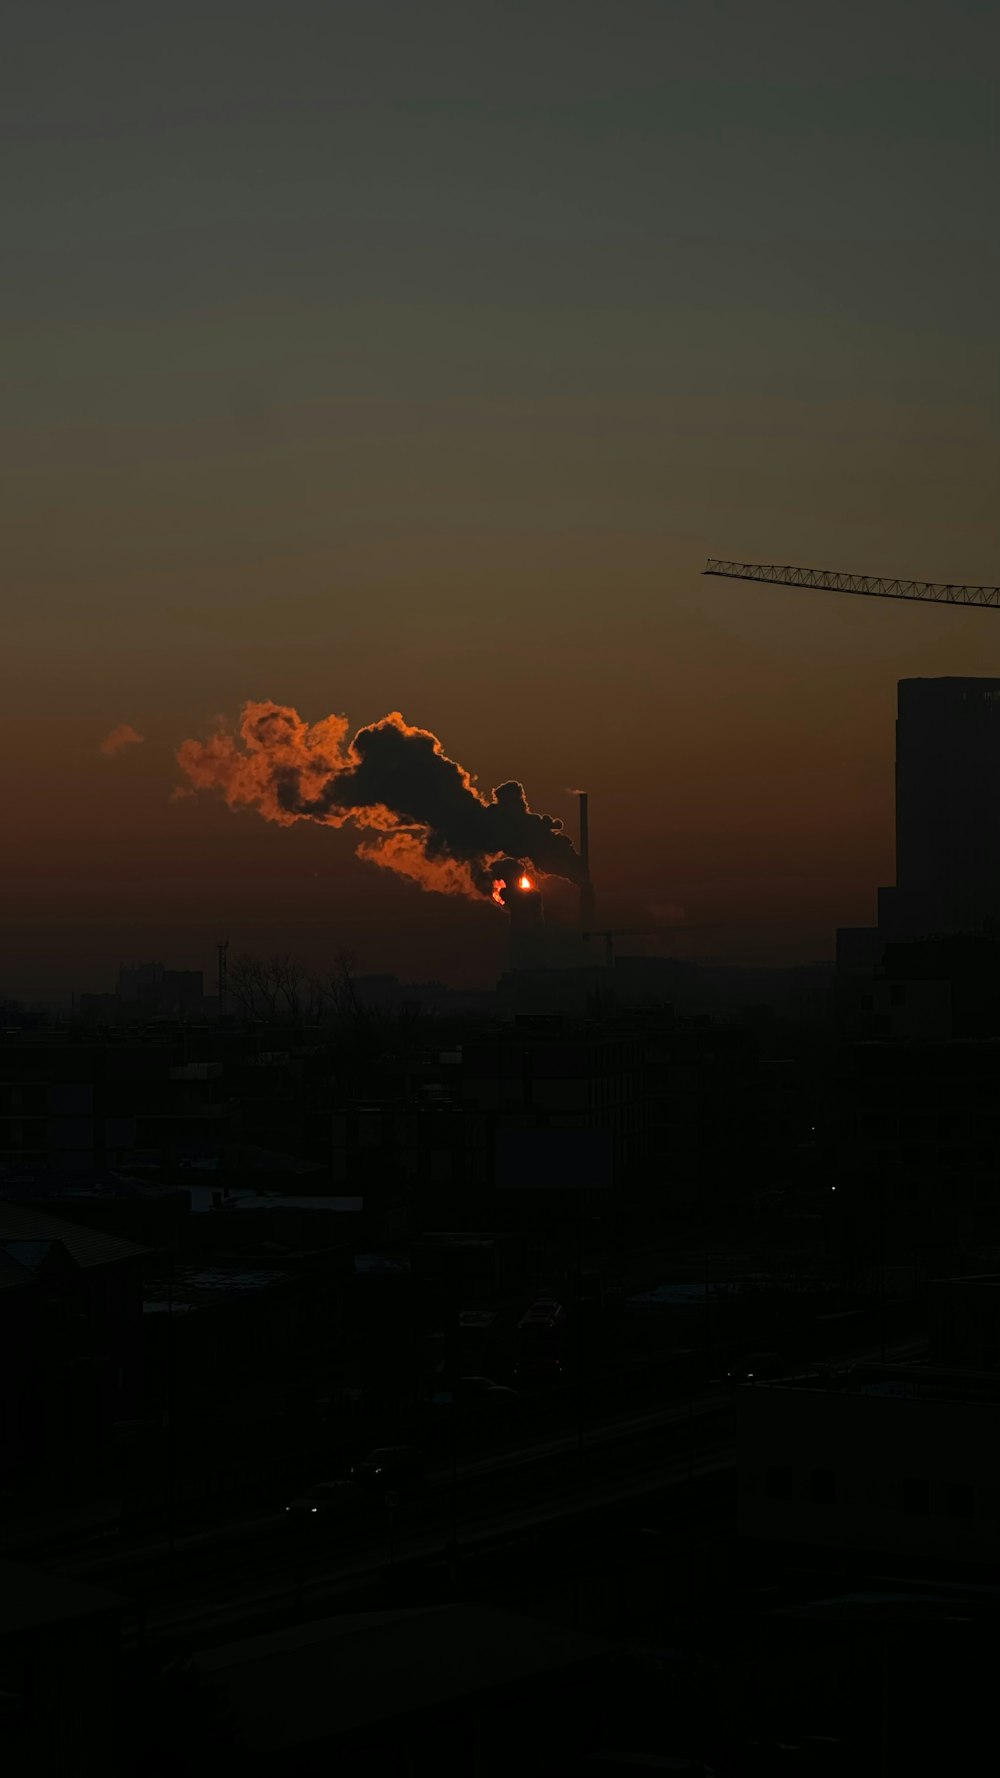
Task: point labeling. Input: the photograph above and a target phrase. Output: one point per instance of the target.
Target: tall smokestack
(522, 898)
(587, 911)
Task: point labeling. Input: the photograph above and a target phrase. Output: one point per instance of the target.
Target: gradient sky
(374, 354)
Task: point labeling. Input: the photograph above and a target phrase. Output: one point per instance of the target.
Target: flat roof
(301, 1685)
(204, 1198)
(31, 1598)
(898, 1605)
(958, 1278)
(871, 1378)
(193, 1287)
(86, 1246)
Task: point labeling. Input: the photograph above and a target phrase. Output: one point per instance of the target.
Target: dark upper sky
(383, 354)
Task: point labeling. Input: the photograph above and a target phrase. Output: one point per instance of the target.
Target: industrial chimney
(522, 898)
(587, 910)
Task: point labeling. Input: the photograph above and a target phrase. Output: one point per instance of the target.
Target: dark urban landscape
(617, 1353)
(489, 1293)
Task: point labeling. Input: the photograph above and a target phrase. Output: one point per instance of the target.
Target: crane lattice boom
(831, 580)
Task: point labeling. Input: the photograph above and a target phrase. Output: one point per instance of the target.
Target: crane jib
(834, 581)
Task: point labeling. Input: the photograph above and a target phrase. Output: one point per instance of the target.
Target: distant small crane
(832, 580)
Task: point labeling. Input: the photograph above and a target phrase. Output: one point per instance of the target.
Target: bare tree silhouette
(268, 988)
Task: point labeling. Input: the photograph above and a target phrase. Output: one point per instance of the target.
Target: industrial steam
(422, 814)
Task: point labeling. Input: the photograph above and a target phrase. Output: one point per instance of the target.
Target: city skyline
(419, 364)
(449, 936)
(500, 902)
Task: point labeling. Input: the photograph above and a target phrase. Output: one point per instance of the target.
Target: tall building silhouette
(947, 827)
(947, 808)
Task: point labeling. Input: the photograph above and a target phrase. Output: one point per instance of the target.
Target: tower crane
(876, 586)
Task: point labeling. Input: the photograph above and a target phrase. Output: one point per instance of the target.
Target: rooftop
(895, 1382)
(31, 1598)
(208, 1197)
(39, 1183)
(391, 1264)
(85, 1246)
(299, 1685)
(959, 1279)
(193, 1289)
(900, 1604)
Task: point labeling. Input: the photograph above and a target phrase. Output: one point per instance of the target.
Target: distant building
(154, 988)
(947, 832)
(932, 989)
(565, 1078)
(947, 797)
(148, 991)
(703, 1109)
(919, 1146)
(483, 1269)
(964, 1322)
(210, 1327)
(544, 991)
(895, 1461)
(155, 1215)
(428, 1158)
(108, 1102)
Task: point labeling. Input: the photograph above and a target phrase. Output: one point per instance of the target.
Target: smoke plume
(122, 736)
(421, 813)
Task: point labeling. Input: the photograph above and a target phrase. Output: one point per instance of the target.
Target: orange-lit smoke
(403, 853)
(274, 741)
(423, 814)
(122, 736)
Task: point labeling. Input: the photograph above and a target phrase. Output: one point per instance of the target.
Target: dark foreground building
(459, 1691)
(947, 834)
(947, 796)
(59, 1696)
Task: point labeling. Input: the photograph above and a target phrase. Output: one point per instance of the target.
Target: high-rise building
(947, 807)
(947, 848)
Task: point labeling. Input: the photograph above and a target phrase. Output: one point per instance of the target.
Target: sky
(368, 355)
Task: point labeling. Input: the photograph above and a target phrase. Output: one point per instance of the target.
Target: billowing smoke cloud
(122, 736)
(422, 813)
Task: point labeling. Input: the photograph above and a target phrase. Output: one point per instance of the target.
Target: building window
(779, 1482)
(914, 1495)
(822, 1487)
(960, 1500)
